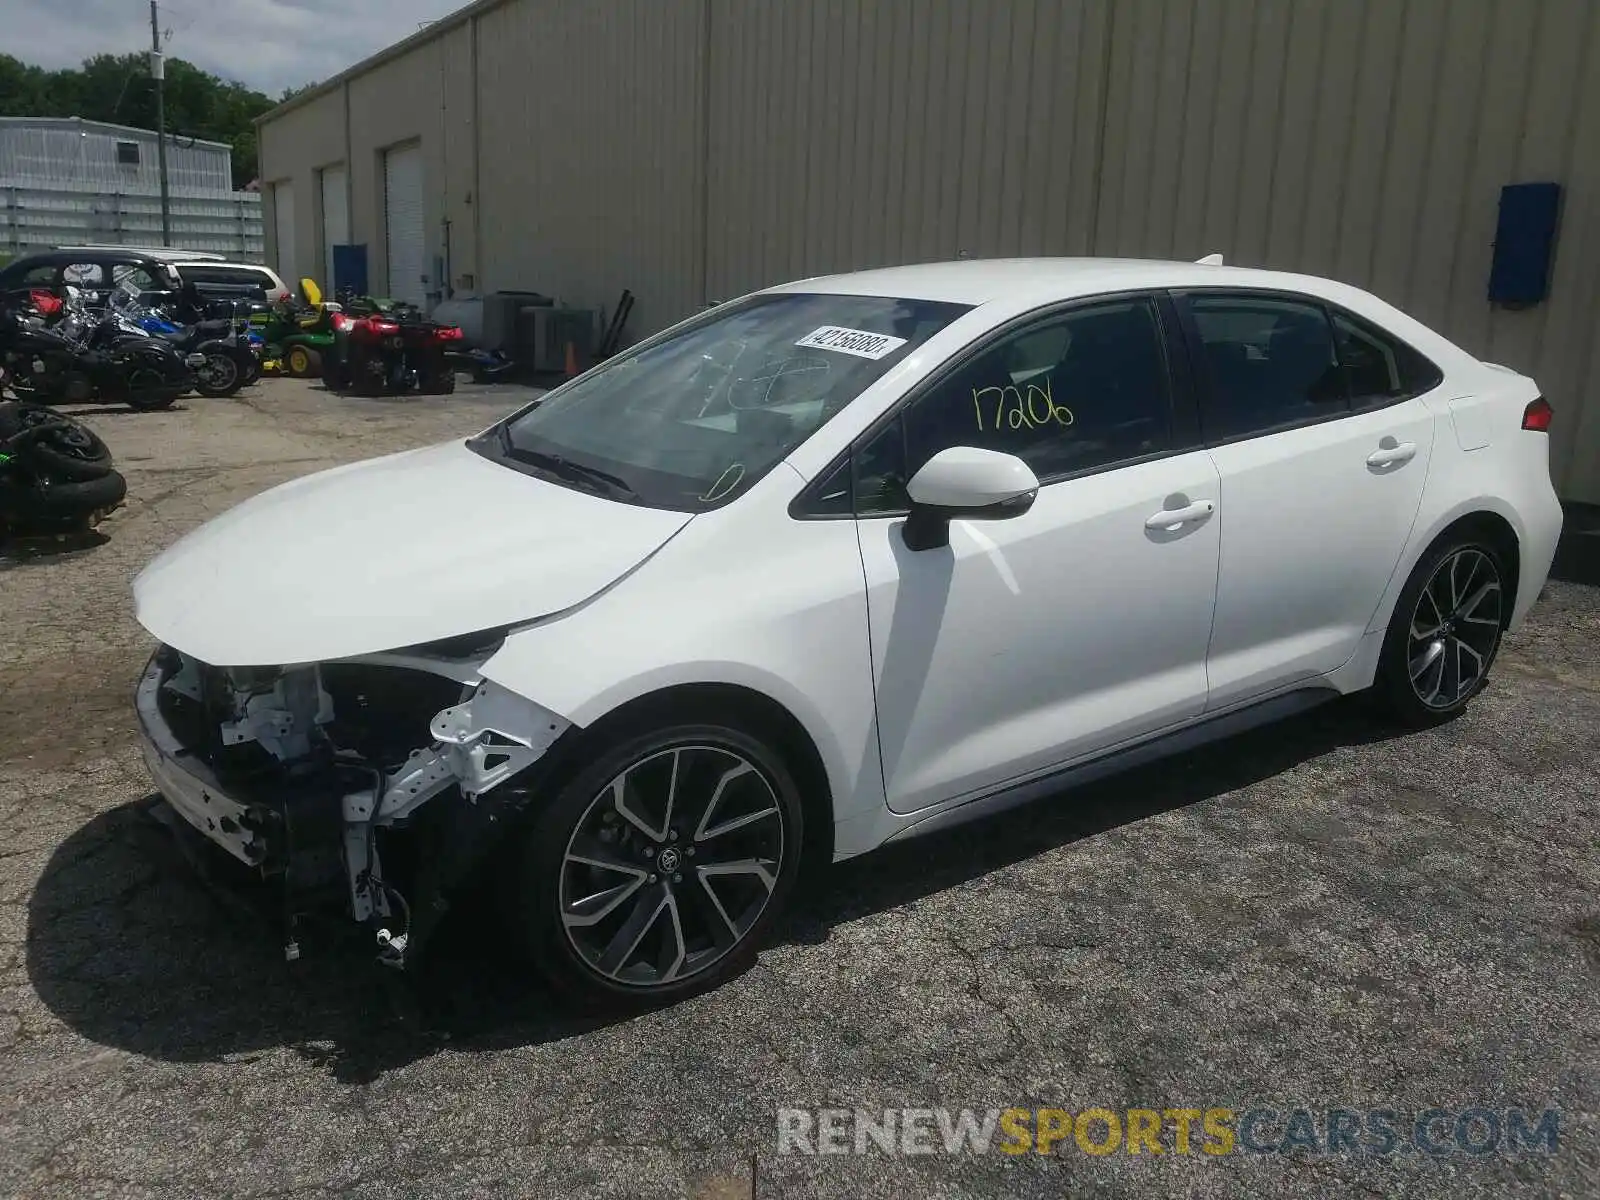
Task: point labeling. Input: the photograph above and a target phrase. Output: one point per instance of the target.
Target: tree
(117, 88)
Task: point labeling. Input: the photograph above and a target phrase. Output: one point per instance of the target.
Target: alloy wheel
(1455, 628)
(671, 865)
(219, 372)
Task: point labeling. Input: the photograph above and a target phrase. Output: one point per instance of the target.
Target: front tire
(657, 869)
(302, 362)
(1445, 632)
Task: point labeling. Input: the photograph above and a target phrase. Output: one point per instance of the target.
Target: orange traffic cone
(572, 360)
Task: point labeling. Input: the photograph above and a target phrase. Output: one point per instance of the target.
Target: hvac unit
(544, 333)
(500, 316)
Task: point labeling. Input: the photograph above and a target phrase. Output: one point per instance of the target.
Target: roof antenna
(1210, 260)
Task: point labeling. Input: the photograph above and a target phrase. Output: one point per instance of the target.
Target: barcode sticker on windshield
(852, 341)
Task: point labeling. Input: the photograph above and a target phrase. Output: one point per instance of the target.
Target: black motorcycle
(56, 475)
(75, 356)
(226, 361)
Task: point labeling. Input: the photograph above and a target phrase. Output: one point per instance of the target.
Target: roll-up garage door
(402, 212)
(283, 231)
(335, 221)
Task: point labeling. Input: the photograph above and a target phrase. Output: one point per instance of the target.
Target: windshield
(125, 295)
(691, 421)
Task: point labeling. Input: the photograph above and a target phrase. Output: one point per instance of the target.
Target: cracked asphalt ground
(1320, 914)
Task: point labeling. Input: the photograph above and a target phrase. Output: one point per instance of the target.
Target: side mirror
(968, 483)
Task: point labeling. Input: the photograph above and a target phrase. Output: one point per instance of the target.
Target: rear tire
(153, 401)
(628, 910)
(50, 500)
(1444, 633)
(144, 390)
(442, 384)
(71, 453)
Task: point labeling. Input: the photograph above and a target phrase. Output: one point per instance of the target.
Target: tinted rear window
(236, 276)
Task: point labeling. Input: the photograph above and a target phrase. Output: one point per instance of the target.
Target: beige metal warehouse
(694, 149)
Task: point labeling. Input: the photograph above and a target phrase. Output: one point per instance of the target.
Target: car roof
(216, 262)
(977, 281)
(121, 254)
(162, 253)
(998, 288)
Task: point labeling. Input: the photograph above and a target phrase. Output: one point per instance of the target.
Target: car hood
(392, 552)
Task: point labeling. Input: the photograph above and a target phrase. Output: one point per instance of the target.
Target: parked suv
(95, 271)
(212, 275)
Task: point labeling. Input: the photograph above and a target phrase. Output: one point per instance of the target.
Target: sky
(268, 44)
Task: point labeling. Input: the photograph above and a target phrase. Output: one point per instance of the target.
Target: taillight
(448, 333)
(341, 323)
(1538, 415)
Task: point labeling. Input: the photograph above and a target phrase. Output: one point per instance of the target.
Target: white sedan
(827, 566)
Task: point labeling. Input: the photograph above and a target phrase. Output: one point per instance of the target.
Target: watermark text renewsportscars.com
(1432, 1132)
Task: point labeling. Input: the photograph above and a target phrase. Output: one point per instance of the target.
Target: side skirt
(1264, 712)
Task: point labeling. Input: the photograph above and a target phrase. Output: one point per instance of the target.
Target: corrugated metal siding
(37, 218)
(695, 149)
(848, 134)
(591, 151)
(83, 155)
(293, 149)
(1369, 140)
(1362, 139)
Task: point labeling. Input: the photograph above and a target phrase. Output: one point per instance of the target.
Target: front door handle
(1171, 518)
(1392, 455)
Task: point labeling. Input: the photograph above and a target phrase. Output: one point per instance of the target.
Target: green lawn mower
(298, 333)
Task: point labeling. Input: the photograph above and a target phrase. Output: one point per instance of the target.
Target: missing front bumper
(314, 827)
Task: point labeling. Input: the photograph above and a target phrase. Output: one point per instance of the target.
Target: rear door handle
(1388, 456)
(1171, 518)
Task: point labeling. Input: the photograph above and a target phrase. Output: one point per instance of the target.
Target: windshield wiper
(568, 469)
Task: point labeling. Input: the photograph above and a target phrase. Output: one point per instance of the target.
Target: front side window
(1269, 363)
(1073, 393)
(134, 278)
(692, 420)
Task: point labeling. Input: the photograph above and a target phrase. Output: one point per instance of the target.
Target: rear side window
(235, 276)
(1378, 368)
(86, 274)
(44, 275)
(1270, 364)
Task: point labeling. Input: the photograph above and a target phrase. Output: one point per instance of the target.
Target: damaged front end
(370, 784)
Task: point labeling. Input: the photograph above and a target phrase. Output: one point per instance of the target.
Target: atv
(391, 348)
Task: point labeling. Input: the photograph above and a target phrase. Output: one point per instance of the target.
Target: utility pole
(158, 70)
